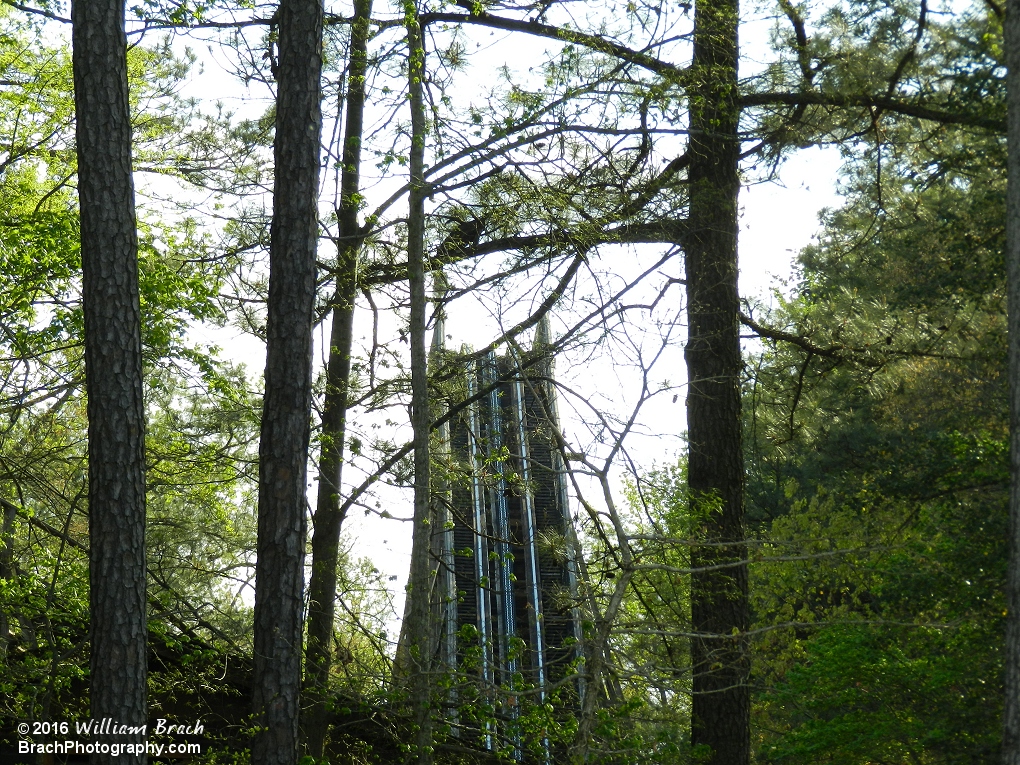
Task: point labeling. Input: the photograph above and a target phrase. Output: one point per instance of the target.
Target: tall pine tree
(113, 367)
(720, 724)
(283, 448)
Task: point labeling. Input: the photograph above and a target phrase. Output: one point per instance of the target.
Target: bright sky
(778, 218)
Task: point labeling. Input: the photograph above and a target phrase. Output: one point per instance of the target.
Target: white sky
(778, 218)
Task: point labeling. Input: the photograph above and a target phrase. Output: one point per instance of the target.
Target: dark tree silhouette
(719, 610)
(329, 513)
(113, 367)
(283, 448)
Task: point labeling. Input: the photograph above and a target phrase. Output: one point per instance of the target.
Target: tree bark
(113, 368)
(286, 412)
(1011, 709)
(329, 516)
(416, 649)
(720, 728)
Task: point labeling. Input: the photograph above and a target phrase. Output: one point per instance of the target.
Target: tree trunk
(113, 368)
(720, 729)
(415, 652)
(1011, 709)
(286, 412)
(328, 514)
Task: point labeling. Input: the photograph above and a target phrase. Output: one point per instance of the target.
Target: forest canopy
(529, 208)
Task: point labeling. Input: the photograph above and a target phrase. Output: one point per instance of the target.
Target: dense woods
(807, 563)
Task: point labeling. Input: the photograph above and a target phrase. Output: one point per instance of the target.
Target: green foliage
(201, 415)
(876, 447)
(878, 457)
(890, 695)
(646, 718)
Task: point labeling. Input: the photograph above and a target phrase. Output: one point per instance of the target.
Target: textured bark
(721, 706)
(417, 640)
(1011, 710)
(286, 412)
(329, 515)
(113, 368)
